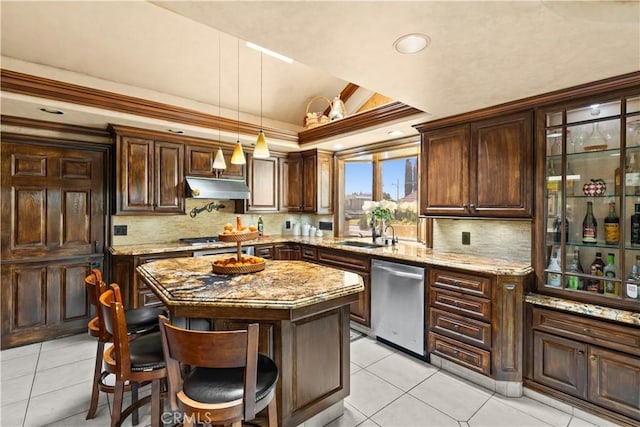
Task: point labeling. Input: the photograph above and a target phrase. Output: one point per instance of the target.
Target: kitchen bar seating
(139, 321)
(138, 360)
(226, 380)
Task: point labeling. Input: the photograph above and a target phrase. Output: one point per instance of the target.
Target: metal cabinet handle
(593, 357)
(472, 206)
(456, 327)
(580, 352)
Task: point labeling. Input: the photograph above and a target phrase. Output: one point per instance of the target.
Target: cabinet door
(292, 183)
(263, 183)
(309, 184)
(445, 177)
(560, 363)
(199, 161)
(325, 184)
(136, 175)
(360, 310)
(614, 381)
(500, 175)
(287, 252)
(169, 177)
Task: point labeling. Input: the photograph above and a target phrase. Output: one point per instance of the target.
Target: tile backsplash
(505, 239)
(169, 228)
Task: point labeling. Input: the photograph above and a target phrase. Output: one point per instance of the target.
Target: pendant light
(237, 158)
(262, 150)
(218, 162)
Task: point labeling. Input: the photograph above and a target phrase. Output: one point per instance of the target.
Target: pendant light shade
(237, 158)
(262, 150)
(218, 162)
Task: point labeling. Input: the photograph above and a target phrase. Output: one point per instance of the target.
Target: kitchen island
(302, 309)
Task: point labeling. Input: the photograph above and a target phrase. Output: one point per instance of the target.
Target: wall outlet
(119, 230)
(466, 238)
(287, 224)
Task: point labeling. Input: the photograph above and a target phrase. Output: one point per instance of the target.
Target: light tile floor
(49, 384)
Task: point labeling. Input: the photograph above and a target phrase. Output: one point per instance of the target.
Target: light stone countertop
(281, 285)
(403, 251)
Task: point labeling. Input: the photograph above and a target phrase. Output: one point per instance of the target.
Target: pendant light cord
(238, 91)
(261, 130)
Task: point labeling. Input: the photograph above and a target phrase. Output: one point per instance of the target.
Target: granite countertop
(607, 313)
(404, 251)
(281, 285)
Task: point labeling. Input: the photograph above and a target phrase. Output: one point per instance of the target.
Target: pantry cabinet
(149, 175)
(479, 169)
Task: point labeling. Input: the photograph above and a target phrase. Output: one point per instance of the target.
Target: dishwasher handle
(400, 273)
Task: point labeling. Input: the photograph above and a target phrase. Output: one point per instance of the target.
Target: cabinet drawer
(147, 298)
(470, 357)
(460, 328)
(617, 337)
(265, 252)
(461, 304)
(344, 260)
(460, 282)
(309, 253)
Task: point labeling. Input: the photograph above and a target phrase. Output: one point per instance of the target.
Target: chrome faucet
(394, 239)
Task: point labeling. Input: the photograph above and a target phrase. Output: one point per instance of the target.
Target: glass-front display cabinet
(592, 201)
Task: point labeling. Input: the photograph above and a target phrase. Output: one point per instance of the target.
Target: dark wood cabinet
(479, 169)
(149, 174)
(287, 252)
(595, 361)
(310, 182)
(360, 311)
(199, 159)
(263, 180)
(291, 183)
(475, 320)
(134, 292)
(265, 251)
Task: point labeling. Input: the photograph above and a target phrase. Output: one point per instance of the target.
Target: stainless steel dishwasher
(397, 305)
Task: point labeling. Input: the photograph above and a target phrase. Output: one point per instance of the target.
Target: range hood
(213, 188)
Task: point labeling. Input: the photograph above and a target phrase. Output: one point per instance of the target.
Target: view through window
(398, 187)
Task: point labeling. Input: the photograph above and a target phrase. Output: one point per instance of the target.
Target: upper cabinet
(310, 183)
(587, 228)
(263, 179)
(149, 175)
(479, 169)
(199, 159)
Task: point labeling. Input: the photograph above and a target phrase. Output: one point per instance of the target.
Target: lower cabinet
(264, 251)
(134, 292)
(287, 252)
(475, 320)
(595, 361)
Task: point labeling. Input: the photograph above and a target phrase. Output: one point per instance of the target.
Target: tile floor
(388, 388)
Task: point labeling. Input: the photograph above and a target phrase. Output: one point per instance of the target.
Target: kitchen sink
(356, 244)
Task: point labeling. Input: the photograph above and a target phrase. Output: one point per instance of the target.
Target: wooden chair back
(115, 324)
(95, 286)
(212, 349)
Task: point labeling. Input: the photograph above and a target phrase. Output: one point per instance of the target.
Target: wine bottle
(553, 275)
(635, 226)
(589, 226)
(633, 280)
(574, 282)
(632, 177)
(610, 274)
(260, 226)
(612, 226)
(596, 269)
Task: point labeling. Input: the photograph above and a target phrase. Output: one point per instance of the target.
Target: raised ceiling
(481, 53)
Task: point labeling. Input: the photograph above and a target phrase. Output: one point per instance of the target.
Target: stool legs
(95, 391)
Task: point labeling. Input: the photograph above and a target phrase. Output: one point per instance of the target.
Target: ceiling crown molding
(26, 84)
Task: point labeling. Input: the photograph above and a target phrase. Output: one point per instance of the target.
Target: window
(386, 175)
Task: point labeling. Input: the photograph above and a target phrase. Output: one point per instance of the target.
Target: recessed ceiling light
(395, 133)
(177, 131)
(411, 43)
(50, 111)
(338, 146)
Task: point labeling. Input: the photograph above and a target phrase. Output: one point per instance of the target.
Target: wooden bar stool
(139, 321)
(226, 382)
(136, 361)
